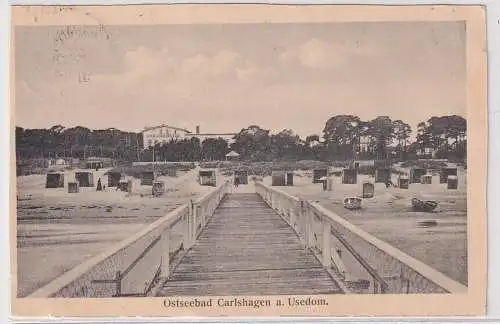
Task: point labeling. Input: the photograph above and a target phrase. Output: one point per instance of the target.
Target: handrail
(65, 279)
(371, 271)
(209, 194)
(155, 236)
(423, 269)
(285, 194)
(429, 278)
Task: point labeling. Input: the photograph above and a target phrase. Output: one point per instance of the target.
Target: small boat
(352, 202)
(426, 206)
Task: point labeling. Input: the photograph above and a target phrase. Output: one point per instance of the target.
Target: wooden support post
(326, 249)
(202, 215)
(196, 216)
(165, 255)
(118, 283)
(186, 237)
(292, 216)
(301, 222)
(191, 224)
(308, 231)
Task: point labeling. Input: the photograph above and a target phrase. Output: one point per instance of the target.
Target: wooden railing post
(191, 225)
(165, 256)
(326, 249)
(202, 215)
(301, 223)
(308, 235)
(292, 216)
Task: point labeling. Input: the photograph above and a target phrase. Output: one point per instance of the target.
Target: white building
(164, 133)
(229, 137)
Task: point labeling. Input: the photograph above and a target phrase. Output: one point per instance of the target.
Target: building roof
(215, 134)
(166, 126)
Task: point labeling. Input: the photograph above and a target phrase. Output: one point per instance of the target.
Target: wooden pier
(247, 248)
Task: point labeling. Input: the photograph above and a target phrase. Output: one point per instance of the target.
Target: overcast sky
(226, 77)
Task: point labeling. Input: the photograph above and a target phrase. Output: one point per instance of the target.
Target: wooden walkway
(247, 249)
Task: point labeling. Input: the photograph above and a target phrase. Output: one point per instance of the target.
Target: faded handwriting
(84, 77)
(60, 56)
(70, 32)
(62, 9)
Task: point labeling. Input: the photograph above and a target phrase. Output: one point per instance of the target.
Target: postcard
(248, 160)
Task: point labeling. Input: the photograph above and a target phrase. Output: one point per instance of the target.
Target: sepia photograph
(246, 164)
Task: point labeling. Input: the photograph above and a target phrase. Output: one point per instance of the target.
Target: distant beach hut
(416, 174)
(382, 175)
(363, 167)
(123, 185)
(349, 176)
(147, 178)
(242, 176)
(130, 186)
(318, 174)
(114, 179)
(73, 187)
(207, 178)
(337, 172)
(84, 179)
(278, 178)
(322, 180)
(54, 180)
(172, 172)
(426, 179)
(232, 156)
(445, 173)
(368, 189)
(289, 178)
(403, 182)
(329, 184)
(452, 182)
(158, 188)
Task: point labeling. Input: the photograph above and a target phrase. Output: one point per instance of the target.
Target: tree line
(343, 137)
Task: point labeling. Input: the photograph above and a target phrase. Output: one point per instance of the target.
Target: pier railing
(360, 262)
(133, 266)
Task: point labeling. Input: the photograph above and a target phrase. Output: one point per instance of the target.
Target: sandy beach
(81, 225)
(57, 230)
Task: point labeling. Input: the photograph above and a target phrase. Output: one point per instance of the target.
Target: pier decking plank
(247, 249)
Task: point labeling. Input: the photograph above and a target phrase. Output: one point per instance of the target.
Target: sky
(229, 76)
